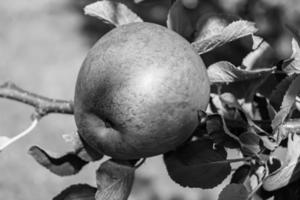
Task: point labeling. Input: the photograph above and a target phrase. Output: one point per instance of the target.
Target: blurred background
(42, 45)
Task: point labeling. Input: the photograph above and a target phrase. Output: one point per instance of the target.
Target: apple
(139, 91)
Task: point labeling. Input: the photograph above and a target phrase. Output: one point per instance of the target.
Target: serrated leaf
(197, 164)
(280, 90)
(234, 192)
(233, 31)
(77, 192)
(212, 23)
(114, 180)
(287, 103)
(112, 12)
(65, 165)
(225, 72)
(241, 174)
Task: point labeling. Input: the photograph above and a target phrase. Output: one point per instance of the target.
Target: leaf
(241, 174)
(292, 65)
(287, 103)
(197, 164)
(263, 105)
(227, 106)
(225, 72)
(82, 149)
(260, 55)
(273, 164)
(251, 143)
(111, 12)
(290, 170)
(295, 32)
(213, 23)
(77, 192)
(234, 192)
(280, 90)
(65, 165)
(229, 100)
(114, 180)
(290, 192)
(233, 31)
(219, 133)
(138, 1)
(179, 20)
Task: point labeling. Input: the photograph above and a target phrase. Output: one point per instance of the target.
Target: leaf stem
(239, 160)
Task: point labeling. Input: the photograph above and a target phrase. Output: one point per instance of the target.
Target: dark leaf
(216, 129)
(241, 174)
(184, 21)
(273, 165)
(225, 72)
(287, 103)
(234, 192)
(278, 93)
(251, 143)
(179, 20)
(262, 54)
(114, 180)
(222, 35)
(112, 12)
(290, 192)
(262, 106)
(65, 165)
(197, 164)
(77, 192)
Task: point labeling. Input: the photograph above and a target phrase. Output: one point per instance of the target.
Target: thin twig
(43, 105)
(20, 135)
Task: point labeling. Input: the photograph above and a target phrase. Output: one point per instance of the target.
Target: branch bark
(43, 105)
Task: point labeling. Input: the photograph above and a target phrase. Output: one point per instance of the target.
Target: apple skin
(139, 91)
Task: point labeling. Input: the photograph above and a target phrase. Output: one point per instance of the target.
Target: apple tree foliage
(254, 110)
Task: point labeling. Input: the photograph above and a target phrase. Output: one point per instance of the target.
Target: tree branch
(42, 105)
